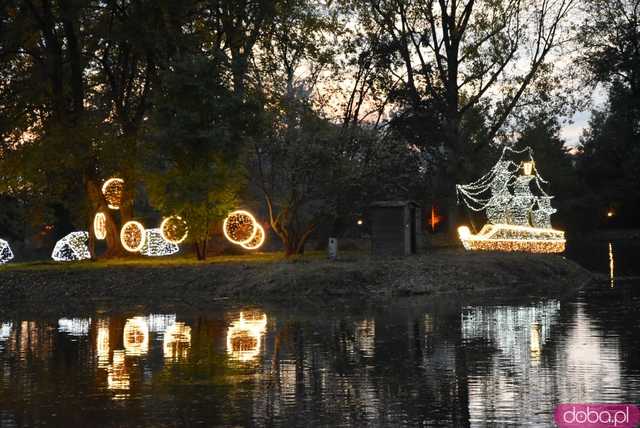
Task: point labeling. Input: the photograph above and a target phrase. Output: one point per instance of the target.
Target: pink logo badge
(597, 415)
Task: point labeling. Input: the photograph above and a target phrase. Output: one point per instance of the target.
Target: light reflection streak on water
(611, 266)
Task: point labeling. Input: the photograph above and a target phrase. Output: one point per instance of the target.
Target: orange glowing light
(610, 214)
(434, 218)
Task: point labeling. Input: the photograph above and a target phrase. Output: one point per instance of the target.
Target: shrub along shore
(269, 278)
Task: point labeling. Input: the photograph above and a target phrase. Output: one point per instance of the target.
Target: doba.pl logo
(594, 415)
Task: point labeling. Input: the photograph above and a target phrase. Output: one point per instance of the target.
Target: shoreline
(269, 279)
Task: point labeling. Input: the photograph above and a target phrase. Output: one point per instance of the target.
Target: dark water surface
(416, 362)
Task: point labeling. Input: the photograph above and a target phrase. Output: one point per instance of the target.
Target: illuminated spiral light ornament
(72, 247)
(112, 190)
(257, 240)
(100, 226)
(5, 252)
(133, 236)
(174, 229)
(240, 227)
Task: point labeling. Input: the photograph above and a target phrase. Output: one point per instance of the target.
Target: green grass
(137, 261)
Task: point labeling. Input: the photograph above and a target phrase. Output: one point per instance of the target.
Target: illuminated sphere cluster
(112, 190)
(241, 228)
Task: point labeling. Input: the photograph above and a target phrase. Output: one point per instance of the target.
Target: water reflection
(74, 326)
(136, 336)
(177, 341)
(244, 336)
(417, 364)
(611, 265)
(118, 379)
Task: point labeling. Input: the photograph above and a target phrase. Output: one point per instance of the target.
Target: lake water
(416, 362)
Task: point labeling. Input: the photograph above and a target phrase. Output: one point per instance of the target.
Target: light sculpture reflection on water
(244, 336)
(136, 336)
(177, 341)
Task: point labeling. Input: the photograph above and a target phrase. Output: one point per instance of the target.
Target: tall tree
(194, 153)
(452, 57)
(610, 158)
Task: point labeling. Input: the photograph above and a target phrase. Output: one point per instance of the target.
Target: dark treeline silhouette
(305, 111)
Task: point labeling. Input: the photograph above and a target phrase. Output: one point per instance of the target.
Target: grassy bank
(269, 277)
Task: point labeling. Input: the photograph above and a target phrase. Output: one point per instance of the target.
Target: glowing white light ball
(5, 252)
(156, 246)
(72, 247)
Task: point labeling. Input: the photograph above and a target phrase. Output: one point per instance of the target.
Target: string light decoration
(156, 246)
(133, 236)
(72, 247)
(5, 252)
(240, 227)
(174, 229)
(100, 226)
(257, 240)
(244, 336)
(518, 219)
(136, 336)
(112, 190)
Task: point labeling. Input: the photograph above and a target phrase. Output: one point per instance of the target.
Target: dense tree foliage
(305, 110)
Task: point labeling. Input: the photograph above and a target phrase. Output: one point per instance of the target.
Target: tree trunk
(201, 249)
(98, 204)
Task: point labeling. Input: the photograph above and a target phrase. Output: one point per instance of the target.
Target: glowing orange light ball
(112, 190)
(174, 229)
(132, 236)
(240, 227)
(257, 240)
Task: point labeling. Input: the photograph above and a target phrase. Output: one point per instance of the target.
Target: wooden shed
(395, 228)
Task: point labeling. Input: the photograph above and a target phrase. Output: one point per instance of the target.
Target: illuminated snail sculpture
(112, 190)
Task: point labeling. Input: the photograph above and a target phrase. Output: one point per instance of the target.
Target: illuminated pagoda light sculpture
(72, 247)
(518, 209)
(5, 252)
(156, 246)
